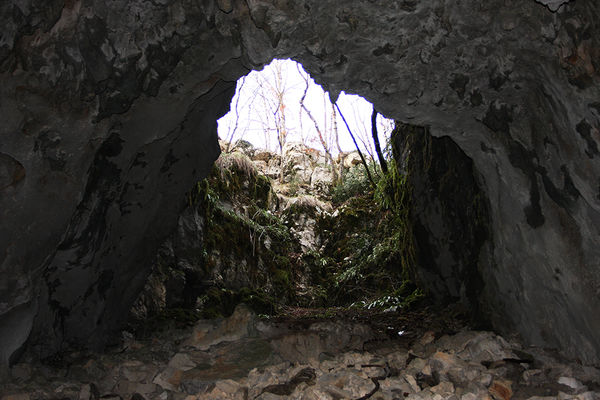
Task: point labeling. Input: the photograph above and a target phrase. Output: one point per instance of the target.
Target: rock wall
(109, 114)
(450, 218)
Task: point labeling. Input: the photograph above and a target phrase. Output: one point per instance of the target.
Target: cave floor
(402, 327)
(333, 353)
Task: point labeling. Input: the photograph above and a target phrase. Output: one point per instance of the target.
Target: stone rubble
(242, 357)
(304, 167)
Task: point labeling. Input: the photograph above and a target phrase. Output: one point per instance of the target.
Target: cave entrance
(305, 209)
(281, 106)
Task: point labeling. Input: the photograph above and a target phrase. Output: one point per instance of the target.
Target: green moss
(218, 302)
(262, 191)
(282, 262)
(281, 279)
(258, 301)
(371, 240)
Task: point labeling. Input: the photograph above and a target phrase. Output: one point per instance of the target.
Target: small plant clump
(354, 182)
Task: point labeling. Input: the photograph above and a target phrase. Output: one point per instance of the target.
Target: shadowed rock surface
(450, 218)
(108, 117)
(243, 357)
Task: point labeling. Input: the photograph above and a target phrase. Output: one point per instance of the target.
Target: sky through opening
(283, 98)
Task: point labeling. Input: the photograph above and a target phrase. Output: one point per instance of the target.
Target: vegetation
(250, 253)
(355, 182)
(373, 239)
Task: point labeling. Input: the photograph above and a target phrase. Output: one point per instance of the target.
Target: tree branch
(356, 144)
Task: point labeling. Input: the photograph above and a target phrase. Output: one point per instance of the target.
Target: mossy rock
(281, 280)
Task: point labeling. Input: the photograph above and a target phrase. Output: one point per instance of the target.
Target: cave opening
(305, 212)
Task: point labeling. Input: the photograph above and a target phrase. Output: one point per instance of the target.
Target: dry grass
(238, 162)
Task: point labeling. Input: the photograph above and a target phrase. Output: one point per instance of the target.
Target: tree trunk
(319, 133)
(341, 155)
(382, 162)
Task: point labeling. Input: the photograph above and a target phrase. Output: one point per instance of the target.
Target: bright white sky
(256, 105)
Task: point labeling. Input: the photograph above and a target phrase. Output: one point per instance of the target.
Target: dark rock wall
(93, 181)
(108, 113)
(450, 218)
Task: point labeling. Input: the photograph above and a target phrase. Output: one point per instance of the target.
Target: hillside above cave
(276, 232)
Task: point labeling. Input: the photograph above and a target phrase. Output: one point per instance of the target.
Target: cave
(109, 116)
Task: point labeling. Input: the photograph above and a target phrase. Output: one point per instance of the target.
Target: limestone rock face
(450, 214)
(109, 110)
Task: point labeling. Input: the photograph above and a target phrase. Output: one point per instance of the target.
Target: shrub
(354, 182)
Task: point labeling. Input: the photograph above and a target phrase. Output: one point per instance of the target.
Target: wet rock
(478, 347)
(137, 371)
(486, 348)
(396, 387)
(127, 388)
(412, 382)
(553, 5)
(169, 379)
(444, 389)
(226, 361)
(182, 362)
(534, 376)
(21, 372)
(111, 396)
(397, 360)
(91, 369)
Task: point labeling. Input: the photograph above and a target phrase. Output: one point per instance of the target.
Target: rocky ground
(307, 356)
(294, 250)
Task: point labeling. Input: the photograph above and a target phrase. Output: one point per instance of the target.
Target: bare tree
(336, 135)
(265, 118)
(263, 105)
(233, 130)
(272, 92)
(278, 91)
(320, 133)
